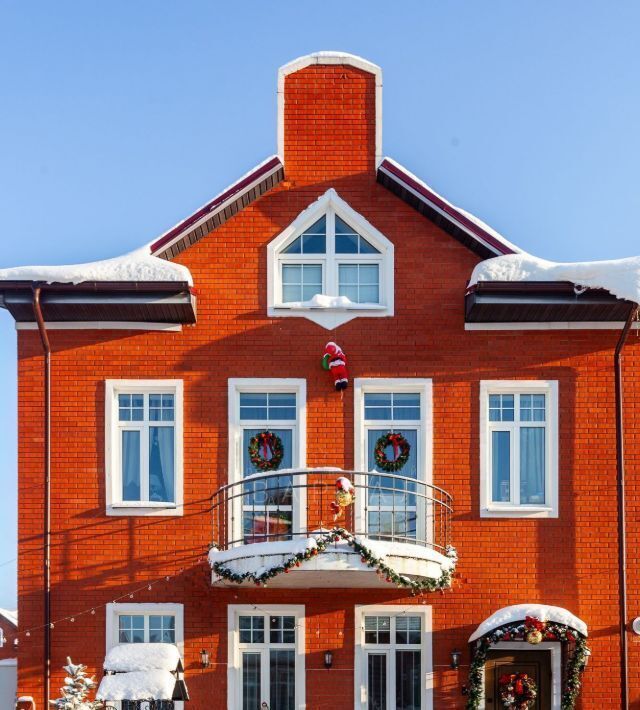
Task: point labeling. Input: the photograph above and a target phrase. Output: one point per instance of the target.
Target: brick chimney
(329, 117)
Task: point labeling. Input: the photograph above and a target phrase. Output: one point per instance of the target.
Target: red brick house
(176, 399)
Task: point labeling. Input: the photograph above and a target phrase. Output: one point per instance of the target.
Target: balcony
(294, 529)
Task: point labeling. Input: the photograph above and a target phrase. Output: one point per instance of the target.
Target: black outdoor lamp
(455, 659)
(328, 659)
(204, 658)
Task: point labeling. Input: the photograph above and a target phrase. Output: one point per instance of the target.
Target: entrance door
(536, 664)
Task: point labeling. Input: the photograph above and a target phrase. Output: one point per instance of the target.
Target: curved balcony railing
(287, 504)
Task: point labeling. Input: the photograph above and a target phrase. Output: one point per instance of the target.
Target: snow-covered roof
(10, 616)
(621, 277)
(137, 685)
(142, 657)
(518, 612)
(138, 265)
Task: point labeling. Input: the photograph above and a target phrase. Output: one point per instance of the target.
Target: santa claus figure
(335, 361)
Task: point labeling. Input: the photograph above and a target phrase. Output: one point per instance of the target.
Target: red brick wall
(570, 562)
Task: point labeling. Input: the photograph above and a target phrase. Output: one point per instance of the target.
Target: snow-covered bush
(75, 690)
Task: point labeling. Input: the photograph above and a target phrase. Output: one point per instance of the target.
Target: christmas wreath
(401, 450)
(263, 444)
(518, 691)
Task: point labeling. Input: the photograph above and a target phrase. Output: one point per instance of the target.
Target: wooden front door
(536, 664)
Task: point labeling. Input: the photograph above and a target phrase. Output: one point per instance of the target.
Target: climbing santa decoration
(345, 495)
(335, 361)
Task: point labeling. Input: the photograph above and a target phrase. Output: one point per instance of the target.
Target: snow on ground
(138, 685)
(621, 277)
(142, 657)
(518, 612)
(138, 265)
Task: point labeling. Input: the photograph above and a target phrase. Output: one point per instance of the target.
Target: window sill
(316, 307)
(519, 511)
(144, 508)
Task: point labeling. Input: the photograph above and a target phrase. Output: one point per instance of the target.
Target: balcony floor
(338, 566)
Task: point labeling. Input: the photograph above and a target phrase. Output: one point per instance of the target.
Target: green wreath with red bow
(266, 451)
(401, 451)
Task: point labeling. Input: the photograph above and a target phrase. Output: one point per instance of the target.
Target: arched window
(330, 265)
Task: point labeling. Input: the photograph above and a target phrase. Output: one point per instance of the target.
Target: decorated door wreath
(517, 691)
(266, 451)
(401, 451)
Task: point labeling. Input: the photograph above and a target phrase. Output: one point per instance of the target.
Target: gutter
(46, 562)
(620, 480)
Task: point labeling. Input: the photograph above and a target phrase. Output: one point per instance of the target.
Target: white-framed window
(274, 508)
(145, 623)
(394, 506)
(266, 655)
(144, 447)
(393, 657)
(330, 265)
(519, 448)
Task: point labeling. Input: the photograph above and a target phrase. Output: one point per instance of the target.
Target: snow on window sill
(333, 303)
(518, 511)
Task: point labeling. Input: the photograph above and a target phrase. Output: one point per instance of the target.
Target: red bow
(395, 440)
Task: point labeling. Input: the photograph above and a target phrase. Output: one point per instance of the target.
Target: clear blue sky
(119, 118)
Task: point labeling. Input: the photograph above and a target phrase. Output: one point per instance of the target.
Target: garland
(517, 690)
(518, 631)
(259, 448)
(401, 450)
(367, 557)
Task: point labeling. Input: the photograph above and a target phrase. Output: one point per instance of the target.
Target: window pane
(349, 274)
(501, 407)
(368, 294)
(313, 244)
(408, 629)
(501, 466)
(162, 629)
(532, 465)
(407, 680)
(346, 243)
(282, 675)
(130, 465)
(532, 407)
(377, 629)
(161, 464)
(377, 406)
(312, 240)
(251, 629)
(376, 681)
(365, 277)
(131, 407)
(300, 282)
(368, 274)
(131, 629)
(406, 406)
(250, 681)
(161, 407)
(282, 629)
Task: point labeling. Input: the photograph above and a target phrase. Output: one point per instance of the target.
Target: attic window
(330, 265)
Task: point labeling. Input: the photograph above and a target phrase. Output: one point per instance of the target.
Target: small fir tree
(75, 690)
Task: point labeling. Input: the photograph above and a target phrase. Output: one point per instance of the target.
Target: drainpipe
(46, 562)
(622, 542)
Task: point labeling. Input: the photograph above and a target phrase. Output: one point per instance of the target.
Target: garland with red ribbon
(266, 451)
(401, 451)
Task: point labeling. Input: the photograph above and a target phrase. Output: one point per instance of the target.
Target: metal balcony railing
(288, 504)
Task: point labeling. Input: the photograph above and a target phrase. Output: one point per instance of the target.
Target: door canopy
(519, 612)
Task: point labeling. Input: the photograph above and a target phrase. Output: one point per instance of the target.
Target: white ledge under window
(330, 265)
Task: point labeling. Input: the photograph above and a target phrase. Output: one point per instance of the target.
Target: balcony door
(394, 504)
(267, 419)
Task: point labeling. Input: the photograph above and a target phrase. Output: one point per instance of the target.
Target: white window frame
(114, 503)
(361, 649)
(489, 508)
(234, 648)
(331, 204)
(421, 386)
(241, 385)
(116, 609)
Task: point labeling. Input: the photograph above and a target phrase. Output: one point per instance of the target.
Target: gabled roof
(10, 616)
(465, 227)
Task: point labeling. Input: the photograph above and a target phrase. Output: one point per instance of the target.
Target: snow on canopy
(518, 612)
(621, 277)
(138, 265)
(138, 685)
(142, 657)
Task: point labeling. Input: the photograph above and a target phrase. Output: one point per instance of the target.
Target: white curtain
(532, 465)
(161, 464)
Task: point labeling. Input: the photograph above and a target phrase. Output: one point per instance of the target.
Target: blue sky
(117, 119)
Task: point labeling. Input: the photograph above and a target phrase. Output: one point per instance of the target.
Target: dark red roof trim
(474, 229)
(215, 203)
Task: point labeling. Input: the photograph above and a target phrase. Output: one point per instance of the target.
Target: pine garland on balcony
(528, 631)
(367, 556)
